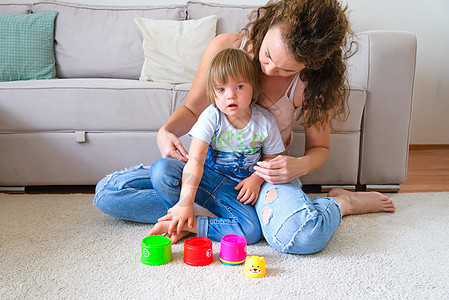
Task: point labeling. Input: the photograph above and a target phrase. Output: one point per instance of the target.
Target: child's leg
(129, 195)
(292, 223)
(215, 193)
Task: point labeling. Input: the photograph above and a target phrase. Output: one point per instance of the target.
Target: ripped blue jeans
(290, 221)
(144, 194)
(129, 195)
(216, 193)
(293, 223)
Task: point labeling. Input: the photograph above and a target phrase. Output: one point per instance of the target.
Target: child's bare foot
(161, 228)
(174, 237)
(355, 203)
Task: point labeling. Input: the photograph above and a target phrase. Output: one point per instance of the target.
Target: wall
(427, 19)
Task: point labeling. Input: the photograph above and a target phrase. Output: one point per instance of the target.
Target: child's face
(233, 97)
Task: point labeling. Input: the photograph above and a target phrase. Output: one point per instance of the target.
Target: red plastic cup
(198, 251)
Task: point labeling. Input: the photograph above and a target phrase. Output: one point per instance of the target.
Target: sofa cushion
(84, 104)
(231, 18)
(27, 46)
(99, 41)
(173, 49)
(15, 9)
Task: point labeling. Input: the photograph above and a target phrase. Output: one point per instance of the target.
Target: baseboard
(429, 147)
(49, 189)
(327, 188)
(383, 188)
(12, 189)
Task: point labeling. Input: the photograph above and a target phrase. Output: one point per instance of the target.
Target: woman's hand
(282, 169)
(170, 146)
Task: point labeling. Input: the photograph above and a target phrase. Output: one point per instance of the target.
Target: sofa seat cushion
(84, 104)
(101, 41)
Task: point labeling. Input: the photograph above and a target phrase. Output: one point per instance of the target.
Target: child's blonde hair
(234, 63)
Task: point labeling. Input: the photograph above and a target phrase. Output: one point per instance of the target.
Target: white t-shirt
(234, 152)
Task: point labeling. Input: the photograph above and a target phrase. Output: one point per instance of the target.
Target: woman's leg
(293, 223)
(129, 195)
(216, 193)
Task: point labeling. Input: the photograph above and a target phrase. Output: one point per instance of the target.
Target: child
(230, 136)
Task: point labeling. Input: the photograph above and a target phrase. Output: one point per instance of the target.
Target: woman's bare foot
(161, 228)
(355, 203)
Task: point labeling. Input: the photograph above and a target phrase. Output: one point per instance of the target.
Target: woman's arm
(317, 147)
(186, 115)
(284, 169)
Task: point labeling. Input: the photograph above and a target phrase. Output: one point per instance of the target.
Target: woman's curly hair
(316, 32)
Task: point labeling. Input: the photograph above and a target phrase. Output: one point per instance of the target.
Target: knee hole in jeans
(267, 213)
(270, 196)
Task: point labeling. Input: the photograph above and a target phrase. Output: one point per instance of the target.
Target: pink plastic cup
(198, 251)
(233, 249)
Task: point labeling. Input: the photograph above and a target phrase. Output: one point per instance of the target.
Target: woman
(298, 45)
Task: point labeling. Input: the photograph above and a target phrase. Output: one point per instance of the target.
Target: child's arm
(182, 212)
(250, 186)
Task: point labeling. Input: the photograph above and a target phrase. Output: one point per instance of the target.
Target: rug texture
(62, 247)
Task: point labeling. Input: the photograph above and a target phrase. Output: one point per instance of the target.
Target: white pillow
(173, 49)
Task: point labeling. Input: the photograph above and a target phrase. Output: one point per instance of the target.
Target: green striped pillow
(27, 46)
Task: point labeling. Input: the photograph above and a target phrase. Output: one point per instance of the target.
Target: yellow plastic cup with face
(255, 267)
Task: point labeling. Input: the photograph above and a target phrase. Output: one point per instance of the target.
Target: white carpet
(62, 247)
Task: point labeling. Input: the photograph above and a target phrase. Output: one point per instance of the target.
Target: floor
(428, 171)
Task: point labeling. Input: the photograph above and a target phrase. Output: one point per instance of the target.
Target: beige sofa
(97, 117)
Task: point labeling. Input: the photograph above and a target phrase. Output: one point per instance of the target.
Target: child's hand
(249, 189)
(179, 215)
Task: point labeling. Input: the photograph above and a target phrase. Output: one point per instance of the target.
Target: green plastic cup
(156, 250)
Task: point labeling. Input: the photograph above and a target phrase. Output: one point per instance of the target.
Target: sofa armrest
(385, 66)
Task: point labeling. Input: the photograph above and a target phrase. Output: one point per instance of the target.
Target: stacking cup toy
(233, 249)
(156, 250)
(255, 267)
(198, 251)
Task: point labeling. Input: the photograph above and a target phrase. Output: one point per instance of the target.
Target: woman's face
(275, 59)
